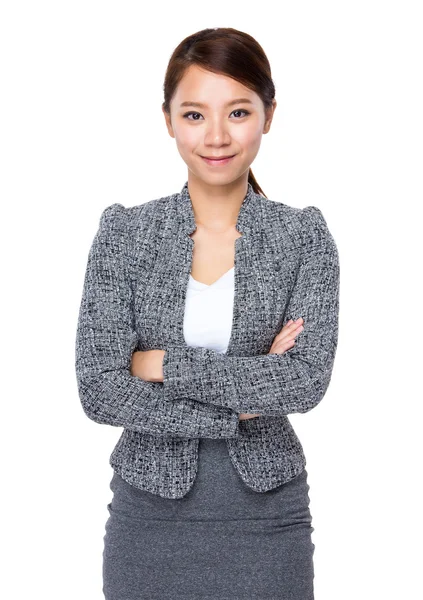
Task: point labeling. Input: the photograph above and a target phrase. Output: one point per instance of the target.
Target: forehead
(199, 85)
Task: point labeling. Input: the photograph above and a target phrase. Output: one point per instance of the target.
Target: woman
(210, 493)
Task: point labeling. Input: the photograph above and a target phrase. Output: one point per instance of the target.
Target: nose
(217, 133)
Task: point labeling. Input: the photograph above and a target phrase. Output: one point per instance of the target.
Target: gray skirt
(222, 541)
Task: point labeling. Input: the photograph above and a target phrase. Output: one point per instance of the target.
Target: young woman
(207, 317)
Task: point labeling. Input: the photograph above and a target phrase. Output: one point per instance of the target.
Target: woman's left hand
(148, 364)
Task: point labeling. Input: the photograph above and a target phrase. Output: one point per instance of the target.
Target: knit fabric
(139, 263)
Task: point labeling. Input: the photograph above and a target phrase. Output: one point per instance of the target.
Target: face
(213, 116)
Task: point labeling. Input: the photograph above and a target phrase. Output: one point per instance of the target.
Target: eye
(238, 110)
(188, 114)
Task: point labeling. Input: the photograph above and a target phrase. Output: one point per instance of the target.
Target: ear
(269, 116)
(168, 122)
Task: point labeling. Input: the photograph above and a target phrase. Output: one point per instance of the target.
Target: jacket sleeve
(274, 384)
(105, 341)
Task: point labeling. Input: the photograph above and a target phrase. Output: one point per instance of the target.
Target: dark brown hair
(224, 51)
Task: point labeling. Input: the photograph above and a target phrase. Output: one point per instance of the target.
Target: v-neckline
(214, 282)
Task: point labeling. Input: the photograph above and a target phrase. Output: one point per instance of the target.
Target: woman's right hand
(283, 341)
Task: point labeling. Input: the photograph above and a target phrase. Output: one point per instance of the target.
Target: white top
(209, 311)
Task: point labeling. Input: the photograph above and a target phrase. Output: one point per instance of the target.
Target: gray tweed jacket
(286, 266)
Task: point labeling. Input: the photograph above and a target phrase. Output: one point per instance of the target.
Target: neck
(216, 207)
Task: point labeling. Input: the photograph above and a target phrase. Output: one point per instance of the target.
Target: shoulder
(118, 217)
(317, 237)
(307, 225)
(313, 220)
(293, 215)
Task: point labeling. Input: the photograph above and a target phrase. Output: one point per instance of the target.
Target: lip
(217, 162)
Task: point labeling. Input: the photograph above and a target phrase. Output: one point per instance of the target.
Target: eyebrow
(200, 105)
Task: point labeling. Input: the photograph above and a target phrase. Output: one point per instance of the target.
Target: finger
(287, 336)
(292, 325)
(289, 332)
(282, 347)
(296, 323)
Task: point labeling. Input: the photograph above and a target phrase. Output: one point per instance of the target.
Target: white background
(82, 128)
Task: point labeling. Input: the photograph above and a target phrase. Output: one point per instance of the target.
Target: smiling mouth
(218, 161)
(219, 157)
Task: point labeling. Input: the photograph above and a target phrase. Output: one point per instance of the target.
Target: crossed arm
(148, 364)
(203, 392)
(105, 341)
(273, 384)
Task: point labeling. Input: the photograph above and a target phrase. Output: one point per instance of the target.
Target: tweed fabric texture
(286, 266)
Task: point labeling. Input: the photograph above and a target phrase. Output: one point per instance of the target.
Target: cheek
(249, 137)
(186, 137)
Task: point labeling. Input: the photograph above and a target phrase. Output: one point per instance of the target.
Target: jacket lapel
(244, 308)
